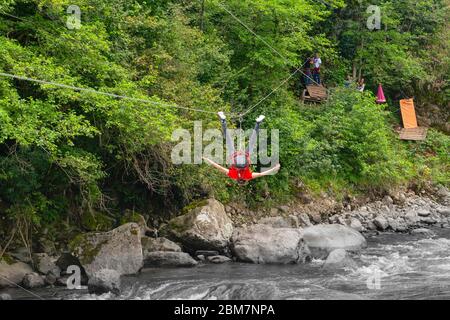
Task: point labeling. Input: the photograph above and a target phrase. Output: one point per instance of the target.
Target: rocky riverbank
(209, 232)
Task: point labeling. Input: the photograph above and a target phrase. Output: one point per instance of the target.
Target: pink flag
(380, 95)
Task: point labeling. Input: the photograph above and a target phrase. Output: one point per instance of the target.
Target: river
(394, 266)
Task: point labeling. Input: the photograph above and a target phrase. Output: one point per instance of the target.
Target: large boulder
(206, 226)
(119, 249)
(339, 259)
(158, 244)
(12, 272)
(169, 259)
(104, 281)
(264, 244)
(323, 239)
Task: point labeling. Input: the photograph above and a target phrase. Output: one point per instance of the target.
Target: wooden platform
(315, 93)
(417, 134)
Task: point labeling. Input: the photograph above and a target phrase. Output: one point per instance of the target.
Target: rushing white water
(394, 266)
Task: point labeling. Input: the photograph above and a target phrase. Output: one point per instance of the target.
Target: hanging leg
(226, 134)
(254, 136)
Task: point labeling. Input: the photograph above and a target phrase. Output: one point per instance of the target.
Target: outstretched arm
(265, 173)
(217, 166)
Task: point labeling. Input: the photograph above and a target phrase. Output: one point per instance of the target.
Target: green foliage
(76, 157)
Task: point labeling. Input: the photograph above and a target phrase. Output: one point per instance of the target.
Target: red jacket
(240, 174)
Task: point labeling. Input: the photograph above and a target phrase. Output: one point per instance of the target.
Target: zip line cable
(112, 95)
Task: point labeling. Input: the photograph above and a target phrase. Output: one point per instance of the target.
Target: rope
(112, 95)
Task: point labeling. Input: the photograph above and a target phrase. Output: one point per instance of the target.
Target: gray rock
(322, 239)
(264, 244)
(424, 213)
(428, 220)
(339, 259)
(396, 224)
(371, 226)
(315, 217)
(206, 227)
(158, 244)
(119, 249)
(422, 231)
(218, 259)
(411, 218)
(33, 280)
(169, 259)
(381, 223)
(293, 221)
(356, 224)
(201, 257)
(304, 220)
(5, 296)
(387, 200)
(443, 192)
(13, 272)
(104, 281)
(444, 211)
(43, 262)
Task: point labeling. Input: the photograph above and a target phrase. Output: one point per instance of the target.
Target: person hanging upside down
(240, 161)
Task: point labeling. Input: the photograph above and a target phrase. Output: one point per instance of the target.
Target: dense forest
(78, 160)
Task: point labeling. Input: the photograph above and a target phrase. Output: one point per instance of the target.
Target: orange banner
(408, 113)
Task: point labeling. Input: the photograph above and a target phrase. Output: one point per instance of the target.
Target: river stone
(356, 224)
(424, 213)
(104, 281)
(169, 259)
(33, 280)
(396, 224)
(387, 200)
(339, 259)
(444, 211)
(304, 219)
(264, 244)
(119, 249)
(411, 218)
(218, 259)
(381, 223)
(205, 227)
(424, 231)
(158, 244)
(53, 275)
(322, 239)
(5, 296)
(43, 262)
(13, 272)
